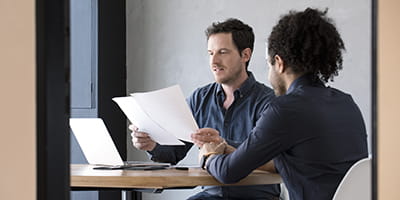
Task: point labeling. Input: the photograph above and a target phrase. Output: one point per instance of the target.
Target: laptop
(99, 149)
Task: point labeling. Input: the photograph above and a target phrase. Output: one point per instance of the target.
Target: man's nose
(214, 59)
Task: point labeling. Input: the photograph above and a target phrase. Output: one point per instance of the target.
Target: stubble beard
(278, 85)
(229, 79)
(225, 80)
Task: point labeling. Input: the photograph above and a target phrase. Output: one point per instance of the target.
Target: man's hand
(141, 140)
(212, 148)
(206, 135)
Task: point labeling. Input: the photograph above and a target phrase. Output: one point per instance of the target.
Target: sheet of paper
(141, 119)
(168, 108)
(95, 141)
(164, 114)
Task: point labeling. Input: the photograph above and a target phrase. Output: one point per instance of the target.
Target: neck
(289, 78)
(229, 88)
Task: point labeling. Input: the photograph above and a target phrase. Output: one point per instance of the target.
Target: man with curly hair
(312, 132)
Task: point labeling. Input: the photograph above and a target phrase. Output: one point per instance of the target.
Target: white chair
(284, 192)
(356, 184)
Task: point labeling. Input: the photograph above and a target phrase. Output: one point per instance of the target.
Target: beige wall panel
(388, 99)
(17, 102)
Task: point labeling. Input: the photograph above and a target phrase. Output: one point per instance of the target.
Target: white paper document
(163, 114)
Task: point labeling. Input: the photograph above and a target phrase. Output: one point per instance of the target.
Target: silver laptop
(99, 149)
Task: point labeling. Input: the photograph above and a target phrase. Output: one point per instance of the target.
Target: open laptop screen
(95, 141)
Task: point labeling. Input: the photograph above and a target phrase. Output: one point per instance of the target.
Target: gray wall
(167, 46)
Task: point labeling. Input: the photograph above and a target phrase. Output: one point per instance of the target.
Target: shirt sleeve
(170, 154)
(267, 139)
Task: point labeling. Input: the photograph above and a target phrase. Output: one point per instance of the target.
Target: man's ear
(246, 54)
(280, 65)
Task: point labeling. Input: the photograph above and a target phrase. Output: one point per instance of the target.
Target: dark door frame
(112, 75)
(374, 95)
(53, 90)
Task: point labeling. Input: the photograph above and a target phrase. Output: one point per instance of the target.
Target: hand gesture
(206, 135)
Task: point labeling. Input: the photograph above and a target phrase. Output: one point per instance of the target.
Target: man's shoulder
(203, 90)
(309, 96)
(259, 90)
(263, 91)
(262, 87)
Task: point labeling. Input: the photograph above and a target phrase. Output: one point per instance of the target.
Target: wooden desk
(83, 176)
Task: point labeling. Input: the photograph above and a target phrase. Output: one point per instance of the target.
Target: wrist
(155, 149)
(205, 158)
(152, 146)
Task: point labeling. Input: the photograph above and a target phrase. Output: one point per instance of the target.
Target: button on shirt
(233, 124)
(314, 134)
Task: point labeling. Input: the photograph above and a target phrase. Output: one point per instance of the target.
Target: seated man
(313, 133)
(232, 105)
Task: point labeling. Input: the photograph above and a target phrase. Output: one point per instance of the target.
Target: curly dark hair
(242, 34)
(308, 42)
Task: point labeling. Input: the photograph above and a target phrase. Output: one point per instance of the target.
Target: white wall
(166, 45)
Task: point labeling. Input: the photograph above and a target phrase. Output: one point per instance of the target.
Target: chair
(356, 184)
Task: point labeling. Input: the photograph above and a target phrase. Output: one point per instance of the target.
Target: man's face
(275, 78)
(225, 60)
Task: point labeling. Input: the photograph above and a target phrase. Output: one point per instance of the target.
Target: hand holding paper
(163, 114)
(141, 140)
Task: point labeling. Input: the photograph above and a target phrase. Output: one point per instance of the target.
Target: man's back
(313, 134)
(325, 138)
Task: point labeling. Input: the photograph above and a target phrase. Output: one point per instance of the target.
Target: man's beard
(279, 87)
(231, 78)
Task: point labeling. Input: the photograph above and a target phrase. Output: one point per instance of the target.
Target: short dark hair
(242, 34)
(308, 42)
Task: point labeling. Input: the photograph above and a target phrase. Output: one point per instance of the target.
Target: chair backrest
(356, 184)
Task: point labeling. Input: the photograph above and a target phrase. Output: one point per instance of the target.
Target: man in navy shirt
(231, 106)
(313, 133)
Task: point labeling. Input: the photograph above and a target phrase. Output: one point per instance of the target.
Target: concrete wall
(166, 45)
(18, 100)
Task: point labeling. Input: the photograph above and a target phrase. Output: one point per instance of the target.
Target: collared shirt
(313, 133)
(233, 124)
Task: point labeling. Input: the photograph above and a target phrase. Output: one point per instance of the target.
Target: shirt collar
(305, 79)
(244, 89)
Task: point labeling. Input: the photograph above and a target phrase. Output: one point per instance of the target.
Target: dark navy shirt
(234, 125)
(313, 133)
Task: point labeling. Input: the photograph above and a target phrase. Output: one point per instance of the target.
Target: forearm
(169, 154)
(269, 167)
(219, 166)
(235, 164)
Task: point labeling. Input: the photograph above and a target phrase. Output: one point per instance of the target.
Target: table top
(84, 176)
